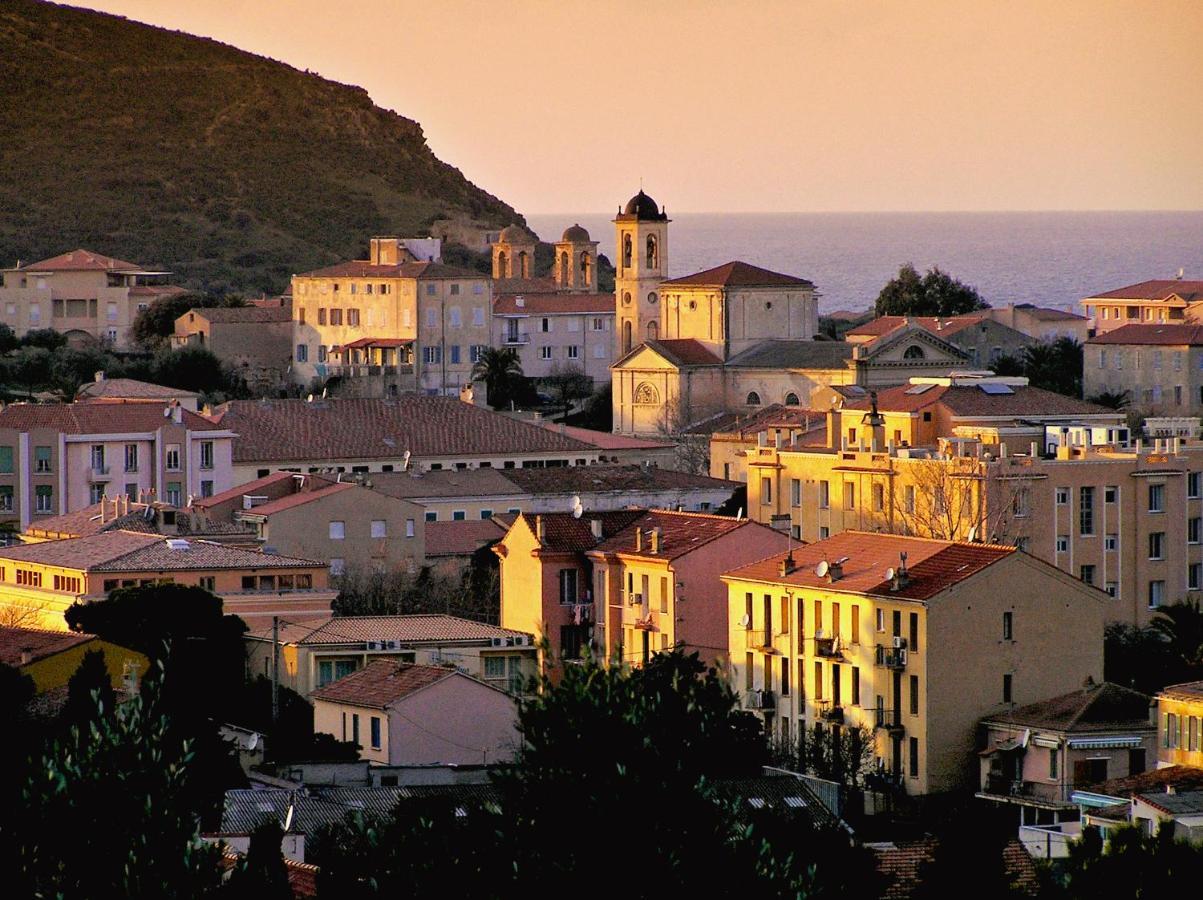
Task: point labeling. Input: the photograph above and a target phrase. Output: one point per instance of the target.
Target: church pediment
(643, 358)
(913, 345)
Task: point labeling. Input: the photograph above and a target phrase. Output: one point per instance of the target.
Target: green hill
(231, 169)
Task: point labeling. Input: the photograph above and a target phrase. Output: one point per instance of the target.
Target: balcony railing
(762, 700)
(517, 338)
(888, 719)
(890, 657)
(1001, 786)
(831, 647)
(830, 712)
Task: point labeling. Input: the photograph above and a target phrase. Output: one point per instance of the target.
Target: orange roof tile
(300, 498)
(381, 683)
(130, 389)
(1152, 334)
(685, 352)
(737, 274)
(15, 642)
(564, 533)
(1156, 289)
(82, 261)
(461, 538)
(251, 487)
(361, 268)
(408, 628)
(546, 304)
(97, 417)
(680, 533)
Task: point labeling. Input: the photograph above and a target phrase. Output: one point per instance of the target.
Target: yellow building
(50, 658)
(916, 640)
(1180, 712)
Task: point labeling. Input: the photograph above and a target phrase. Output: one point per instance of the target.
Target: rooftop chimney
(99, 376)
(655, 534)
(833, 428)
(762, 439)
(638, 540)
(787, 563)
(777, 438)
(539, 532)
(467, 393)
(595, 525)
(26, 655)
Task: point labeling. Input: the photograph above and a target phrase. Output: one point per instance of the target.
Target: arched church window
(914, 351)
(564, 268)
(653, 331)
(653, 255)
(753, 399)
(626, 336)
(501, 259)
(791, 399)
(626, 251)
(523, 265)
(585, 264)
(646, 395)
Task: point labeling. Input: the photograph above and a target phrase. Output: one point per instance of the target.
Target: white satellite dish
(973, 534)
(822, 568)
(890, 574)
(577, 508)
(253, 742)
(288, 818)
(746, 621)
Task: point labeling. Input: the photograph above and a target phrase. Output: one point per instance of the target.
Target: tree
(569, 383)
(153, 325)
(8, 339)
(844, 755)
(30, 367)
(934, 294)
(947, 499)
(90, 689)
(190, 369)
(45, 338)
(1117, 400)
(1130, 863)
(261, 873)
(1055, 366)
(598, 413)
(501, 371)
(1169, 650)
(105, 811)
(691, 452)
(72, 368)
(476, 594)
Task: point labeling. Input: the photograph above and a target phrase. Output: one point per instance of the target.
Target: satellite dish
(972, 534)
(577, 509)
(288, 818)
(739, 515)
(890, 574)
(746, 621)
(822, 568)
(253, 742)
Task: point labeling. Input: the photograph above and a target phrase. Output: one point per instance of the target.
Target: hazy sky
(761, 105)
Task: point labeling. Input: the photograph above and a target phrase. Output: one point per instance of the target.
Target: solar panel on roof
(991, 388)
(919, 389)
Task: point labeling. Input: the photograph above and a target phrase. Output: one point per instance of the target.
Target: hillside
(230, 169)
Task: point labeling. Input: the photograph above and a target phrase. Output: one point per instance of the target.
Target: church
(733, 338)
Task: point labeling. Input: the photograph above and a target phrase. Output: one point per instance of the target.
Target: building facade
(1162, 302)
(557, 334)
(1158, 367)
(255, 341)
(1180, 718)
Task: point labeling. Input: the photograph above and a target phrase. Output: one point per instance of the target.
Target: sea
(1047, 258)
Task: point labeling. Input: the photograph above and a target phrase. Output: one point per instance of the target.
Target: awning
(1005, 747)
(1104, 742)
(377, 342)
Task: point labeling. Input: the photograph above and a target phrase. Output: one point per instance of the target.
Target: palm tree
(1181, 626)
(1112, 399)
(500, 370)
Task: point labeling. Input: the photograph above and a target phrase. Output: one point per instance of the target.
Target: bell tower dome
(575, 267)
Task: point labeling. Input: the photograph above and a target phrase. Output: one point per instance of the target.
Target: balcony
(98, 473)
(760, 700)
(890, 657)
(516, 337)
(829, 647)
(756, 639)
(829, 712)
(889, 720)
(1037, 792)
(884, 781)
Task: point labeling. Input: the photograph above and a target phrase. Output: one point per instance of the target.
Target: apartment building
(315, 653)
(914, 639)
(1160, 301)
(86, 296)
(558, 333)
(1180, 717)
(386, 435)
(1159, 367)
(59, 458)
(1041, 323)
(39, 582)
(415, 325)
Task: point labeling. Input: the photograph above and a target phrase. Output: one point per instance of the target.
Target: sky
(766, 105)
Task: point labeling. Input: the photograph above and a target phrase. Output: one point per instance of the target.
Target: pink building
(402, 714)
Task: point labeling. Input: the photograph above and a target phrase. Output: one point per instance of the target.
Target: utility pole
(275, 672)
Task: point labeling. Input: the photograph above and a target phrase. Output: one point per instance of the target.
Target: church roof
(644, 208)
(514, 234)
(738, 274)
(685, 352)
(576, 234)
(794, 355)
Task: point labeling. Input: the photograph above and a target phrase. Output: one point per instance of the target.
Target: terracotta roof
(127, 551)
(685, 352)
(603, 440)
(88, 521)
(1152, 334)
(775, 415)
(1157, 289)
(900, 399)
(411, 628)
(1179, 803)
(1187, 690)
(680, 533)
(902, 865)
(564, 534)
(545, 304)
(255, 487)
(300, 498)
(97, 417)
(1178, 777)
(461, 538)
(933, 566)
(604, 479)
(544, 285)
(82, 261)
(795, 355)
(737, 274)
(382, 682)
(302, 877)
(39, 644)
(222, 315)
(943, 327)
(1099, 707)
(130, 389)
(1048, 313)
(361, 268)
(369, 429)
(486, 482)
(377, 342)
(971, 400)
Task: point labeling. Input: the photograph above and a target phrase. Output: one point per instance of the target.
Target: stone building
(255, 341)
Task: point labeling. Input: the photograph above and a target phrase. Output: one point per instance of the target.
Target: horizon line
(821, 212)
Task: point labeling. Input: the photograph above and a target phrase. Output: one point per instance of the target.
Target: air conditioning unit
(497, 642)
(374, 645)
(392, 645)
(902, 656)
(635, 600)
(899, 643)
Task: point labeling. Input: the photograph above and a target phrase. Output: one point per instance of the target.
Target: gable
(645, 358)
(897, 347)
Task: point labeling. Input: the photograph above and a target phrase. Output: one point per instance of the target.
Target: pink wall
(456, 721)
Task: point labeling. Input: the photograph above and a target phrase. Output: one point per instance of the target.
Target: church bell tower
(641, 248)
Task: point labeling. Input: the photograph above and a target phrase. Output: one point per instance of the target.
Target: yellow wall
(55, 671)
(1183, 709)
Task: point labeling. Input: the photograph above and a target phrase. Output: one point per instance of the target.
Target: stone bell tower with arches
(514, 254)
(575, 266)
(641, 251)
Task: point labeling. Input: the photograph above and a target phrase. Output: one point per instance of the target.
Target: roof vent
(520, 301)
(178, 544)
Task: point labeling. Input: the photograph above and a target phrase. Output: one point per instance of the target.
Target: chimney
(1177, 446)
(539, 532)
(99, 376)
(1032, 450)
(385, 251)
(177, 412)
(655, 539)
(777, 439)
(26, 655)
(787, 564)
(833, 428)
(467, 393)
(638, 540)
(762, 439)
(1002, 449)
(595, 525)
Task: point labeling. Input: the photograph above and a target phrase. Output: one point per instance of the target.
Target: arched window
(523, 263)
(653, 256)
(653, 330)
(914, 351)
(501, 260)
(753, 399)
(651, 298)
(564, 268)
(626, 251)
(626, 298)
(791, 399)
(646, 395)
(586, 263)
(626, 336)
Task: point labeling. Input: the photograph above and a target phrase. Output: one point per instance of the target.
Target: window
(1170, 741)
(849, 495)
(1008, 626)
(206, 454)
(1156, 498)
(44, 494)
(855, 638)
(880, 623)
(568, 585)
(879, 497)
(753, 399)
(96, 492)
(1062, 496)
(1087, 574)
(1007, 688)
(97, 455)
(379, 528)
(432, 355)
(785, 615)
(458, 515)
(338, 530)
(336, 316)
(41, 457)
(338, 565)
(1110, 493)
(454, 354)
(453, 317)
(574, 352)
(1052, 762)
(1112, 588)
(795, 492)
(478, 316)
(913, 638)
(173, 457)
(855, 686)
(836, 620)
(914, 695)
(476, 351)
(6, 498)
(1086, 511)
(545, 352)
(908, 498)
(375, 732)
(1156, 593)
(818, 620)
(321, 316)
(409, 528)
(206, 488)
(824, 495)
(1157, 545)
(1194, 575)
(432, 516)
(913, 754)
(1194, 527)
(6, 460)
(766, 490)
(1111, 542)
(175, 492)
(1193, 480)
(1063, 543)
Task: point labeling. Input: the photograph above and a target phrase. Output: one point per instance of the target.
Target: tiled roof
(902, 866)
(89, 521)
(256, 487)
(81, 261)
(300, 498)
(680, 533)
(1155, 290)
(130, 389)
(1048, 313)
(564, 533)
(775, 415)
(783, 794)
(461, 538)
(737, 274)
(794, 355)
(1178, 777)
(97, 417)
(933, 566)
(603, 440)
(1099, 707)
(544, 304)
(1179, 803)
(1152, 334)
(943, 327)
(369, 429)
(382, 682)
(361, 268)
(1187, 690)
(221, 315)
(544, 285)
(625, 479)
(685, 352)
(900, 398)
(126, 551)
(156, 291)
(302, 877)
(971, 400)
(39, 644)
(411, 628)
(486, 482)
